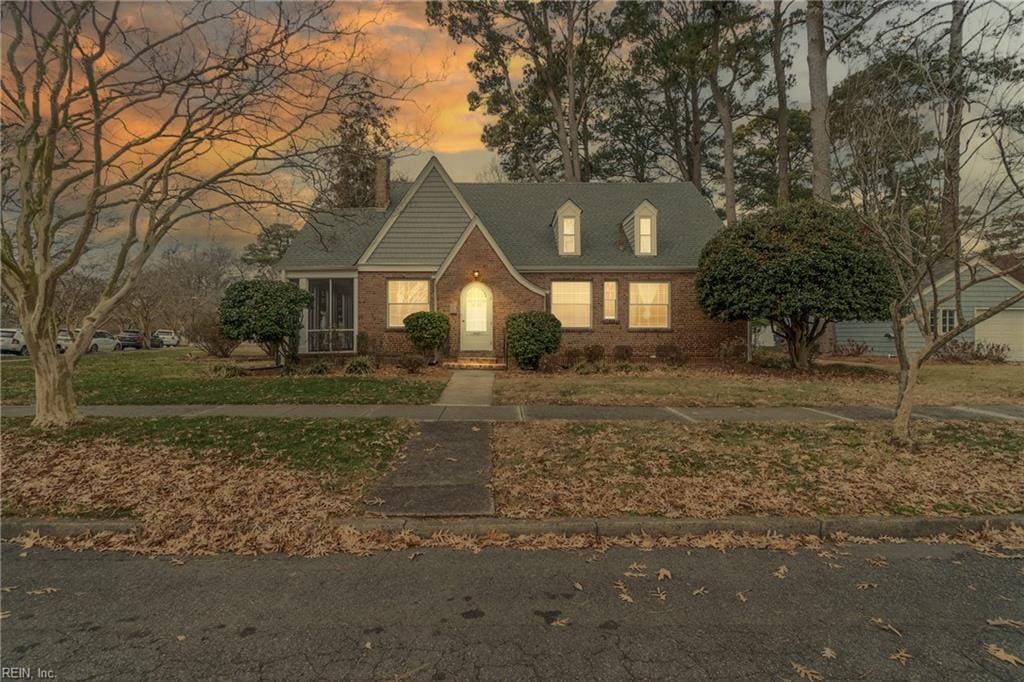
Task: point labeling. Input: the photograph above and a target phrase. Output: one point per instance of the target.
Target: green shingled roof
(520, 218)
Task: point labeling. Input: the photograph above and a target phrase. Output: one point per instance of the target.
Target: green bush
(266, 312)
(318, 368)
(427, 331)
(531, 335)
(670, 354)
(360, 364)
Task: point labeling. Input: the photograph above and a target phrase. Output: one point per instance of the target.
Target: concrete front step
(476, 363)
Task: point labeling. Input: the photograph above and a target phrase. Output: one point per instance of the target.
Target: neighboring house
(1006, 328)
(615, 262)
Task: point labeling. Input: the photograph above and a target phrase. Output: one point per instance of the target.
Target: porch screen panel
(331, 315)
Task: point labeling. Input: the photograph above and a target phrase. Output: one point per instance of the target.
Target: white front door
(477, 332)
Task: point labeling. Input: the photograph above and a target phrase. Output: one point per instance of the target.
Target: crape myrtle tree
(122, 123)
(799, 266)
(926, 167)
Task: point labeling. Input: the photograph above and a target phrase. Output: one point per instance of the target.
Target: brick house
(615, 262)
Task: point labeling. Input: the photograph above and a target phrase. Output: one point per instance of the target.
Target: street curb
(860, 526)
(11, 528)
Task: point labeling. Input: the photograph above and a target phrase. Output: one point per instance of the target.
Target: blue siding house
(1005, 328)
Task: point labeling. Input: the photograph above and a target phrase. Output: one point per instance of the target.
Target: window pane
(611, 306)
(318, 310)
(476, 310)
(569, 235)
(405, 297)
(948, 320)
(648, 305)
(646, 236)
(570, 303)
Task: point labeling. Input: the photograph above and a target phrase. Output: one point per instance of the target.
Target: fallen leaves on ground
(997, 652)
(661, 594)
(544, 469)
(664, 574)
(781, 572)
(561, 622)
(43, 590)
(1007, 623)
(902, 657)
(700, 591)
(866, 586)
(882, 624)
(742, 596)
(828, 653)
(806, 673)
(4, 614)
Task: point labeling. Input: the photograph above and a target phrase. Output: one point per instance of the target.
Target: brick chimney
(382, 183)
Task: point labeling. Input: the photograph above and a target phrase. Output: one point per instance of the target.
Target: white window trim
(590, 285)
(645, 210)
(942, 322)
(615, 300)
(387, 299)
(568, 210)
(668, 304)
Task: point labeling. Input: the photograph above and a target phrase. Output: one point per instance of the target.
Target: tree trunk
(905, 403)
(817, 77)
(782, 112)
(954, 123)
(696, 132)
(55, 398)
(728, 162)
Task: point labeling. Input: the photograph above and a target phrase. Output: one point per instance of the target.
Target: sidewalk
(520, 413)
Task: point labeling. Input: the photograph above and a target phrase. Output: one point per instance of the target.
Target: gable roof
(518, 217)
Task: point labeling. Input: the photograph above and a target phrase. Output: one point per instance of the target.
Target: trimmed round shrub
(622, 353)
(532, 335)
(594, 353)
(427, 331)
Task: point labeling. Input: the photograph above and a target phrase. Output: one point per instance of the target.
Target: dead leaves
(902, 657)
(561, 622)
(43, 590)
(1006, 623)
(660, 594)
(828, 653)
(877, 561)
(664, 574)
(883, 625)
(781, 572)
(578, 587)
(4, 615)
(866, 586)
(700, 591)
(806, 673)
(742, 596)
(997, 652)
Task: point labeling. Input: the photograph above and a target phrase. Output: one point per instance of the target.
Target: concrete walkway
(519, 413)
(468, 387)
(443, 470)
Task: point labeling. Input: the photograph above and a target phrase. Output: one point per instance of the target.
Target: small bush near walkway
(531, 335)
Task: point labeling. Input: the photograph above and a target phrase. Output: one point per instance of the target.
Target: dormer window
(568, 235)
(645, 230)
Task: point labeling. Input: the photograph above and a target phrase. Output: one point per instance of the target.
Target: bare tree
(132, 121)
(907, 185)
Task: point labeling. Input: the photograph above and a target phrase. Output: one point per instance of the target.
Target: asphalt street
(513, 615)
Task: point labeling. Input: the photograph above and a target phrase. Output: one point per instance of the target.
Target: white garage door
(1006, 328)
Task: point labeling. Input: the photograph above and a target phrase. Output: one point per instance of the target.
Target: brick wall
(694, 333)
(689, 328)
(373, 312)
(509, 295)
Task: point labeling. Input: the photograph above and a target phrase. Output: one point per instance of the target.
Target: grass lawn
(246, 484)
(832, 384)
(170, 376)
(714, 470)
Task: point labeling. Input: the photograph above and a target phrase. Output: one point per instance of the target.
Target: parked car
(132, 338)
(168, 337)
(12, 341)
(156, 342)
(103, 342)
(64, 340)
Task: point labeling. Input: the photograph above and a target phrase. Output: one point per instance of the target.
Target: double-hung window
(611, 303)
(948, 320)
(648, 305)
(570, 303)
(405, 297)
(645, 236)
(569, 235)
